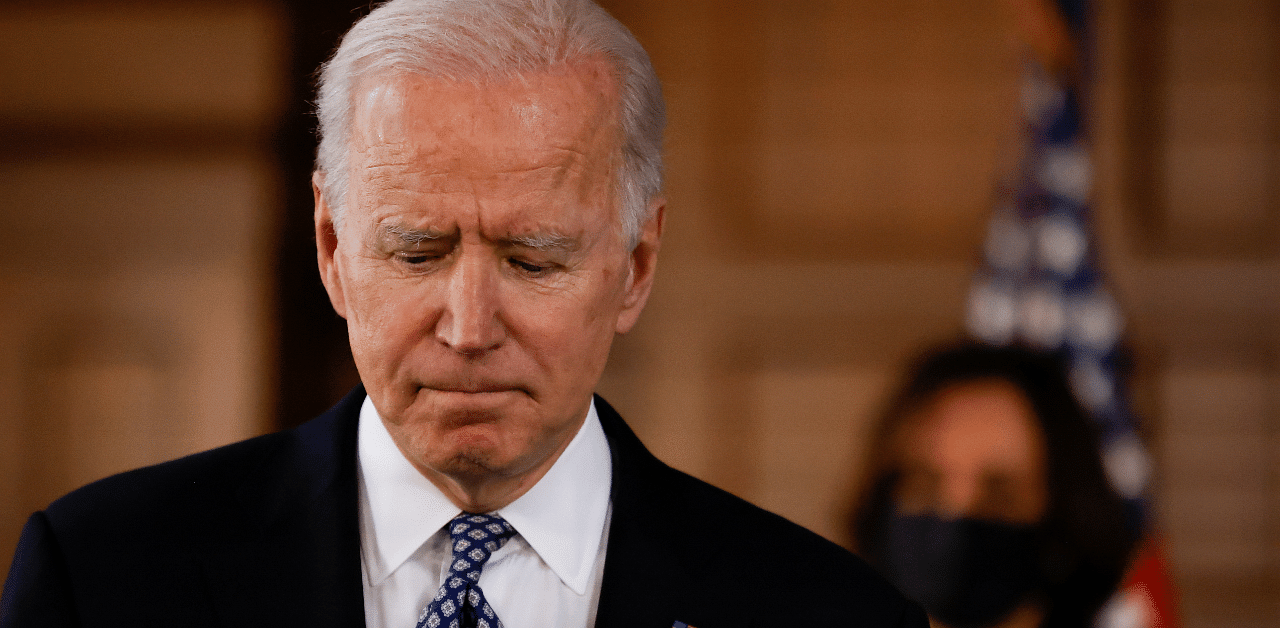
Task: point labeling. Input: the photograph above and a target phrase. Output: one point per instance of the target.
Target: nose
(959, 495)
(470, 323)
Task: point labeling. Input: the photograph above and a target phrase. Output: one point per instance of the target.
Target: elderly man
(488, 215)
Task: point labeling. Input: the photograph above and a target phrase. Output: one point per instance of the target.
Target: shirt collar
(562, 517)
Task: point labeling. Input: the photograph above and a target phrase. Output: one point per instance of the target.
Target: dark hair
(1086, 540)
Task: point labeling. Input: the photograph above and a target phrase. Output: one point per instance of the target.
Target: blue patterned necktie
(460, 603)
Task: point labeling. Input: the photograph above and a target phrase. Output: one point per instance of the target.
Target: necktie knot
(475, 538)
(460, 603)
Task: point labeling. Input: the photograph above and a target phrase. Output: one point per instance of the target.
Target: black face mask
(968, 573)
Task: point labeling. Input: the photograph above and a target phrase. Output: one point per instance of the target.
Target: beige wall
(139, 193)
(830, 165)
(830, 169)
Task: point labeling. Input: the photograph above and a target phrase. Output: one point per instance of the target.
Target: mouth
(471, 403)
(472, 388)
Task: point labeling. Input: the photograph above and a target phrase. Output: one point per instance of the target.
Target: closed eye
(418, 258)
(530, 268)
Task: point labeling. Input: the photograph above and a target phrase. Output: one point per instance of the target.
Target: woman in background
(985, 497)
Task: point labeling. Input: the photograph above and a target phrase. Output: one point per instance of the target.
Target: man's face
(481, 265)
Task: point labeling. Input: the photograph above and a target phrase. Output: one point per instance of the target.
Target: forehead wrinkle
(533, 156)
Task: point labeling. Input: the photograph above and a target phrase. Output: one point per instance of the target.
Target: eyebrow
(414, 236)
(545, 242)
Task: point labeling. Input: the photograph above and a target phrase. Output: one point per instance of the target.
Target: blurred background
(832, 165)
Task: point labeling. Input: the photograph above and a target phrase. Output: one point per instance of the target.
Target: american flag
(1040, 283)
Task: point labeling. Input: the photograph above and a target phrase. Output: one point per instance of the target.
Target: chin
(470, 445)
(477, 463)
(468, 464)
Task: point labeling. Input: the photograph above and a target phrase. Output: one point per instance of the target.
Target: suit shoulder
(160, 491)
(764, 552)
(164, 544)
(738, 520)
(264, 469)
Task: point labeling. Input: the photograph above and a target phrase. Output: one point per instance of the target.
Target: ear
(327, 247)
(644, 263)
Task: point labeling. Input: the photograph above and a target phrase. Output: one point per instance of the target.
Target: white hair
(484, 39)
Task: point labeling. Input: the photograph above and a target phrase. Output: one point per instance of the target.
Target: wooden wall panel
(830, 165)
(213, 64)
(140, 198)
(854, 131)
(1208, 79)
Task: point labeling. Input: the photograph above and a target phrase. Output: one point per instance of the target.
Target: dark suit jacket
(265, 533)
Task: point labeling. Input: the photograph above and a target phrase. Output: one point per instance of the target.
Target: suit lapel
(292, 551)
(646, 581)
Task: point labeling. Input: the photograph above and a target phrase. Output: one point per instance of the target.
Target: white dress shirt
(548, 574)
